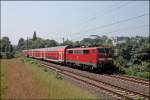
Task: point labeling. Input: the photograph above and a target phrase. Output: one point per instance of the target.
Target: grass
(3, 84)
(53, 84)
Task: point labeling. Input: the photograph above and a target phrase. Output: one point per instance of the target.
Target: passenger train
(89, 57)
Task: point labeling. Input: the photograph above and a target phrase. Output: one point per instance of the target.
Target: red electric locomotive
(92, 57)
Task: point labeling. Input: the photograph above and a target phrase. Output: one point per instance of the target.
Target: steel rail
(109, 90)
(118, 87)
(132, 79)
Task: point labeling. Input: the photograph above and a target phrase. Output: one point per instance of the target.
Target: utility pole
(27, 43)
(115, 45)
(63, 39)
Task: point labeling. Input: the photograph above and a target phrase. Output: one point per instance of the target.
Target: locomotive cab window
(86, 52)
(107, 50)
(70, 51)
(101, 50)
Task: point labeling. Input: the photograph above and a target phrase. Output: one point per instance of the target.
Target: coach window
(76, 52)
(79, 52)
(85, 51)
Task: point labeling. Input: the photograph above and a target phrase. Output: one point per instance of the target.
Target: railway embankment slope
(27, 80)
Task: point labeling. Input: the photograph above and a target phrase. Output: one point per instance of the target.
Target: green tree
(77, 43)
(34, 36)
(87, 42)
(68, 42)
(6, 48)
(21, 44)
(109, 42)
(38, 43)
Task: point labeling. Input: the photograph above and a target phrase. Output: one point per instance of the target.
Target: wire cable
(137, 27)
(121, 21)
(109, 11)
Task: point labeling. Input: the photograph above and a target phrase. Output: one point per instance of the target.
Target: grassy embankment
(54, 84)
(47, 82)
(3, 78)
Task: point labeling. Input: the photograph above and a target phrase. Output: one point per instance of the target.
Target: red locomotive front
(93, 57)
(104, 56)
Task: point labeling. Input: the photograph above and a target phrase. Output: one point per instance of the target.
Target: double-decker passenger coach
(53, 54)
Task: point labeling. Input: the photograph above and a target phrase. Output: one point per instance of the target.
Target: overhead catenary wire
(117, 22)
(107, 12)
(137, 27)
(126, 29)
(119, 7)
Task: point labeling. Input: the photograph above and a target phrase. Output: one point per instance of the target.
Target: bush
(148, 67)
(119, 65)
(133, 72)
(45, 69)
(8, 55)
(3, 88)
(143, 74)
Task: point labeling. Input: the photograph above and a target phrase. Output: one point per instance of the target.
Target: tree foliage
(6, 48)
(34, 36)
(21, 44)
(35, 42)
(50, 43)
(68, 42)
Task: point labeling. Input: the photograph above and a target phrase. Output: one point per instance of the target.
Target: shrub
(3, 88)
(45, 70)
(143, 74)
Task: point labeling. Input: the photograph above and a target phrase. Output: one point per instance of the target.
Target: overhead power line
(137, 27)
(107, 12)
(121, 21)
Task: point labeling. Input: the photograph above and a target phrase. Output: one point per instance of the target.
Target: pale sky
(73, 19)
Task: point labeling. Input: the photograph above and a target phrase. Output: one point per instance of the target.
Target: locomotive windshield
(107, 50)
(104, 50)
(101, 50)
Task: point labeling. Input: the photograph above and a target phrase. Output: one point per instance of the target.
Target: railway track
(116, 91)
(132, 79)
